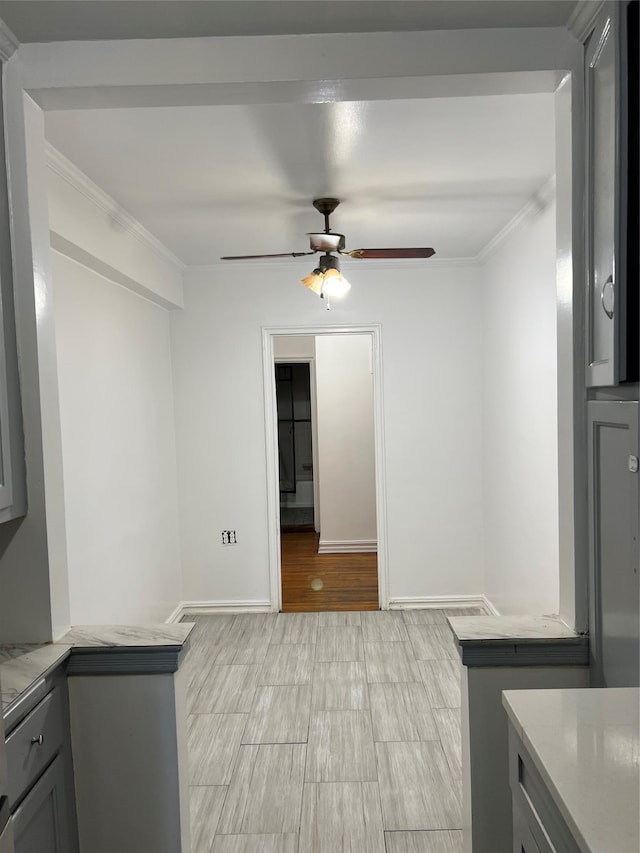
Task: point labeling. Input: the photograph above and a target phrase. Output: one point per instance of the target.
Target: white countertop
(586, 746)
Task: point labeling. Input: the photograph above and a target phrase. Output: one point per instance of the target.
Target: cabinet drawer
(32, 744)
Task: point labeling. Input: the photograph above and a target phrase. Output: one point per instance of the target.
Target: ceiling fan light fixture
(314, 281)
(335, 284)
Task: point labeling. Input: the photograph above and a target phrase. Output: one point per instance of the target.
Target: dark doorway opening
(295, 448)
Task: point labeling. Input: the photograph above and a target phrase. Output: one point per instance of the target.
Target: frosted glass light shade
(314, 281)
(335, 284)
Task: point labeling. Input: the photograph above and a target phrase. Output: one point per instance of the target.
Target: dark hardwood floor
(312, 581)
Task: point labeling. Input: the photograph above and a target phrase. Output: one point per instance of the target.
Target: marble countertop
(22, 665)
(586, 746)
(492, 629)
(115, 636)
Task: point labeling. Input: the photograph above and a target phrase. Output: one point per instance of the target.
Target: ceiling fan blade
(391, 253)
(253, 257)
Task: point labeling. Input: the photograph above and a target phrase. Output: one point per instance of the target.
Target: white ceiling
(227, 180)
(53, 20)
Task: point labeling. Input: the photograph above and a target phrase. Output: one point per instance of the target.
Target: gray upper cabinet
(610, 322)
(13, 499)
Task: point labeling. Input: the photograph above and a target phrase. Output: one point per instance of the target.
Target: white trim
(440, 601)
(538, 201)
(490, 606)
(83, 184)
(8, 42)
(583, 17)
(346, 546)
(176, 614)
(271, 433)
(68, 249)
(225, 606)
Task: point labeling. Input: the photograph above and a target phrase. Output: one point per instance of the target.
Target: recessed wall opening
(452, 348)
(322, 395)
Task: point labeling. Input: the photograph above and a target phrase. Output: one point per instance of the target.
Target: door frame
(271, 448)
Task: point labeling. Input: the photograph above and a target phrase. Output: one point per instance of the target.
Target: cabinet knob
(38, 740)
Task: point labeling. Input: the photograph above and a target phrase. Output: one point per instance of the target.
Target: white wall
(118, 442)
(93, 228)
(432, 419)
(294, 346)
(520, 420)
(346, 456)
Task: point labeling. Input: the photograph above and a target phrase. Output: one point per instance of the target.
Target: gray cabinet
(13, 497)
(611, 321)
(6, 839)
(538, 826)
(40, 824)
(613, 553)
(40, 770)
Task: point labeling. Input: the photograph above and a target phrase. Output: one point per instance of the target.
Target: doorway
(337, 562)
(295, 447)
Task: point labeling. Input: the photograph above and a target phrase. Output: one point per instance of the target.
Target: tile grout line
(247, 634)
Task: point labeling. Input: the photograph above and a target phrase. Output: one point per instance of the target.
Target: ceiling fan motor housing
(322, 242)
(328, 262)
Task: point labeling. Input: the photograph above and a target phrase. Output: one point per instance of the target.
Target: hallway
(313, 582)
(324, 732)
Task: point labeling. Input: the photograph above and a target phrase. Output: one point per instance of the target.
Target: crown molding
(538, 201)
(83, 184)
(583, 17)
(8, 42)
(68, 171)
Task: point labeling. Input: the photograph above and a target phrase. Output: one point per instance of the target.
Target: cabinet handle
(38, 740)
(603, 296)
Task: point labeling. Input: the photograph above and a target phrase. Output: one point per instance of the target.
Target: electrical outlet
(229, 537)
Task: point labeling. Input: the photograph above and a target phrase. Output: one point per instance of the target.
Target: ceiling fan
(326, 279)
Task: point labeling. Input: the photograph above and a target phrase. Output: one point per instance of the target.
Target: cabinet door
(605, 76)
(12, 472)
(523, 841)
(41, 823)
(6, 839)
(613, 558)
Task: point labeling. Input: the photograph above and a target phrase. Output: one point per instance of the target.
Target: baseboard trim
(186, 608)
(440, 601)
(493, 610)
(348, 546)
(175, 615)
(203, 608)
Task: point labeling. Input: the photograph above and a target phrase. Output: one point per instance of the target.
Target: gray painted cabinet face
(6, 839)
(40, 824)
(613, 507)
(600, 78)
(606, 70)
(610, 333)
(13, 502)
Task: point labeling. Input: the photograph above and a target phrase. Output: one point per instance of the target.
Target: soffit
(52, 20)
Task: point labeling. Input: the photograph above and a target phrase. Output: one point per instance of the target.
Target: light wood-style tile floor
(325, 732)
